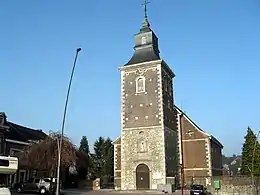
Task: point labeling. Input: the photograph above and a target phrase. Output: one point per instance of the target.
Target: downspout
(182, 158)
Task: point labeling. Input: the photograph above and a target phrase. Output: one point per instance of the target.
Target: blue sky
(212, 46)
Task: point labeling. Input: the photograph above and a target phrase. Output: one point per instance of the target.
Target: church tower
(148, 128)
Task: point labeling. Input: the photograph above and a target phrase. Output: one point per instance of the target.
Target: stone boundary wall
(237, 185)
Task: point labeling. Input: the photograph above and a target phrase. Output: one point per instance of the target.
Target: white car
(5, 191)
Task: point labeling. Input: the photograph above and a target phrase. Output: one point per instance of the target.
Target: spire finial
(145, 8)
(146, 22)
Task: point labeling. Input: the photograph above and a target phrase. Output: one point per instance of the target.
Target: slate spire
(146, 43)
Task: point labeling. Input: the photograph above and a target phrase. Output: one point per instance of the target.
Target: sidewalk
(75, 191)
(112, 191)
(137, 192)
(154, 192)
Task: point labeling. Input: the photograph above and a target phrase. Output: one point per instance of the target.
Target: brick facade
(202, 153)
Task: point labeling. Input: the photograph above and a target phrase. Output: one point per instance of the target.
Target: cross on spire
(145, 8)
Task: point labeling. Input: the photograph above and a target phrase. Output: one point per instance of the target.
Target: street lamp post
(253, 161)
(59, 141)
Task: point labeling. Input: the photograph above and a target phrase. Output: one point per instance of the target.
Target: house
(232, 165)
(14, 138)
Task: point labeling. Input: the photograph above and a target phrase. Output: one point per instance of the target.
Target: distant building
(232, 165)
(14, 138)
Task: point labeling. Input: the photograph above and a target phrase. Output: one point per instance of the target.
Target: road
(90, 193)
(84, 192)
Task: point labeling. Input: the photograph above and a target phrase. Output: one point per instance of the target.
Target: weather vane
(145, 7)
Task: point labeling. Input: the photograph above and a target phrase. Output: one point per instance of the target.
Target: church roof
(146, 45)
(117, 140)
(143, 56)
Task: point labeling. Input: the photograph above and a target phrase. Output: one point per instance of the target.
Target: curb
(135, 192)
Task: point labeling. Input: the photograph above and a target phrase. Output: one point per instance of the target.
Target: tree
(109, 158)
(44, 154)
(84, 149)
(102, 160)
(250, 148)
(97, 159)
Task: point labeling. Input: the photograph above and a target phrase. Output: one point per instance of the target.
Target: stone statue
(142, 146)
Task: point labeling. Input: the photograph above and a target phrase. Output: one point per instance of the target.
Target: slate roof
(143, 56)
(25, 134)
(147, 52)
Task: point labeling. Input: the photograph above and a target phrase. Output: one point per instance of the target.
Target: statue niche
(142, 146)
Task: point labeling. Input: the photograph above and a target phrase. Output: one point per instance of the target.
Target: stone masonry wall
(238, 185)
(234, 190)
(151, 153)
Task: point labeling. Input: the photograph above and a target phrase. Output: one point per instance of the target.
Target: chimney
(2, 118)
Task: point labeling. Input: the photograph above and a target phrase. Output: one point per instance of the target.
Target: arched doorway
(142, 177)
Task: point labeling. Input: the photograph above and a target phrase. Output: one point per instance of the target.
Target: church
(158, 139)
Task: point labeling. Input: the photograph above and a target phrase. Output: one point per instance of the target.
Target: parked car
(198, 190)
(37, 185)
(5, 191)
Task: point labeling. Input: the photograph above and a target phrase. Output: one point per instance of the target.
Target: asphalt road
(82, 192)
(89, 193)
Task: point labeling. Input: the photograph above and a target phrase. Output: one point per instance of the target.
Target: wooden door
(142, 177)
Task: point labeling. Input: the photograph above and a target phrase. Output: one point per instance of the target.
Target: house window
(140, 84)
(14, 151)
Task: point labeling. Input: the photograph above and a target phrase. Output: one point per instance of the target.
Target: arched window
(140, 84)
